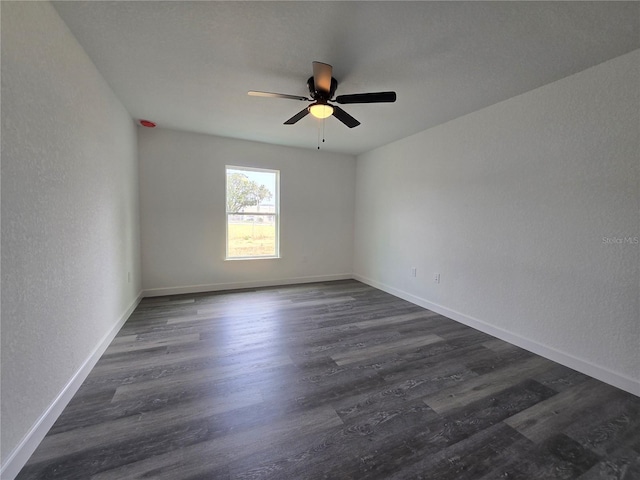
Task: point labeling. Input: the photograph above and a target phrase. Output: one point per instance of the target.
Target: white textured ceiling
(189, 65)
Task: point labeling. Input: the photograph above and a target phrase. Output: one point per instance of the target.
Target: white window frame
(276, 198)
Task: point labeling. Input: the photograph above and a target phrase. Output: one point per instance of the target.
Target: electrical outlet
(436, 278)
(414, 271)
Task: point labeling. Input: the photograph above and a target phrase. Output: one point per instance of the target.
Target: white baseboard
(616, 379)
(213, 287)
(18, 458)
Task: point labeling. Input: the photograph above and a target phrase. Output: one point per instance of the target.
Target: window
(252, 213)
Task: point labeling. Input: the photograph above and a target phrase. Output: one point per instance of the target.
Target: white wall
(511, 205)
(70, 226)
(182, 200)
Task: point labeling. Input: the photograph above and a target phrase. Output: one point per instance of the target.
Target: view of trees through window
(252, 212)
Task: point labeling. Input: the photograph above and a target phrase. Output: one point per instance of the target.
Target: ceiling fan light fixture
(321, 110)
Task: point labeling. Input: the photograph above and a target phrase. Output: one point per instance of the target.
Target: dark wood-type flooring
(330, 381)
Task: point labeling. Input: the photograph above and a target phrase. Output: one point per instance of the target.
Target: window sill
(234, 259)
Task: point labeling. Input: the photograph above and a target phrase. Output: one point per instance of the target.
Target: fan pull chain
(323, 129)
(322, 133)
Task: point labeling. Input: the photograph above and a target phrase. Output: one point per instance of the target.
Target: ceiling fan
(322, 87)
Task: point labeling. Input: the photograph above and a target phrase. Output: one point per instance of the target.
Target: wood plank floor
(330, 381)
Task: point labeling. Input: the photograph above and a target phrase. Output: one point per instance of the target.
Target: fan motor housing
(319, 94)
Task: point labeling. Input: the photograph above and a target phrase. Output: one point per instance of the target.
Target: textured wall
(182, 201)
(70, 232)
(529, 211)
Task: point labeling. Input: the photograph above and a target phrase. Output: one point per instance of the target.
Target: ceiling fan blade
(301, 114)
(377, 97)
(322, 76)
(277, 95)
(344, 117)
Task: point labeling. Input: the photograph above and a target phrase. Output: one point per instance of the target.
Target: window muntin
(252, 213)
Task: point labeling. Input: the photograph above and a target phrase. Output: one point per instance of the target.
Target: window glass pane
(250, 191)
(251, 236)
(252, 213)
